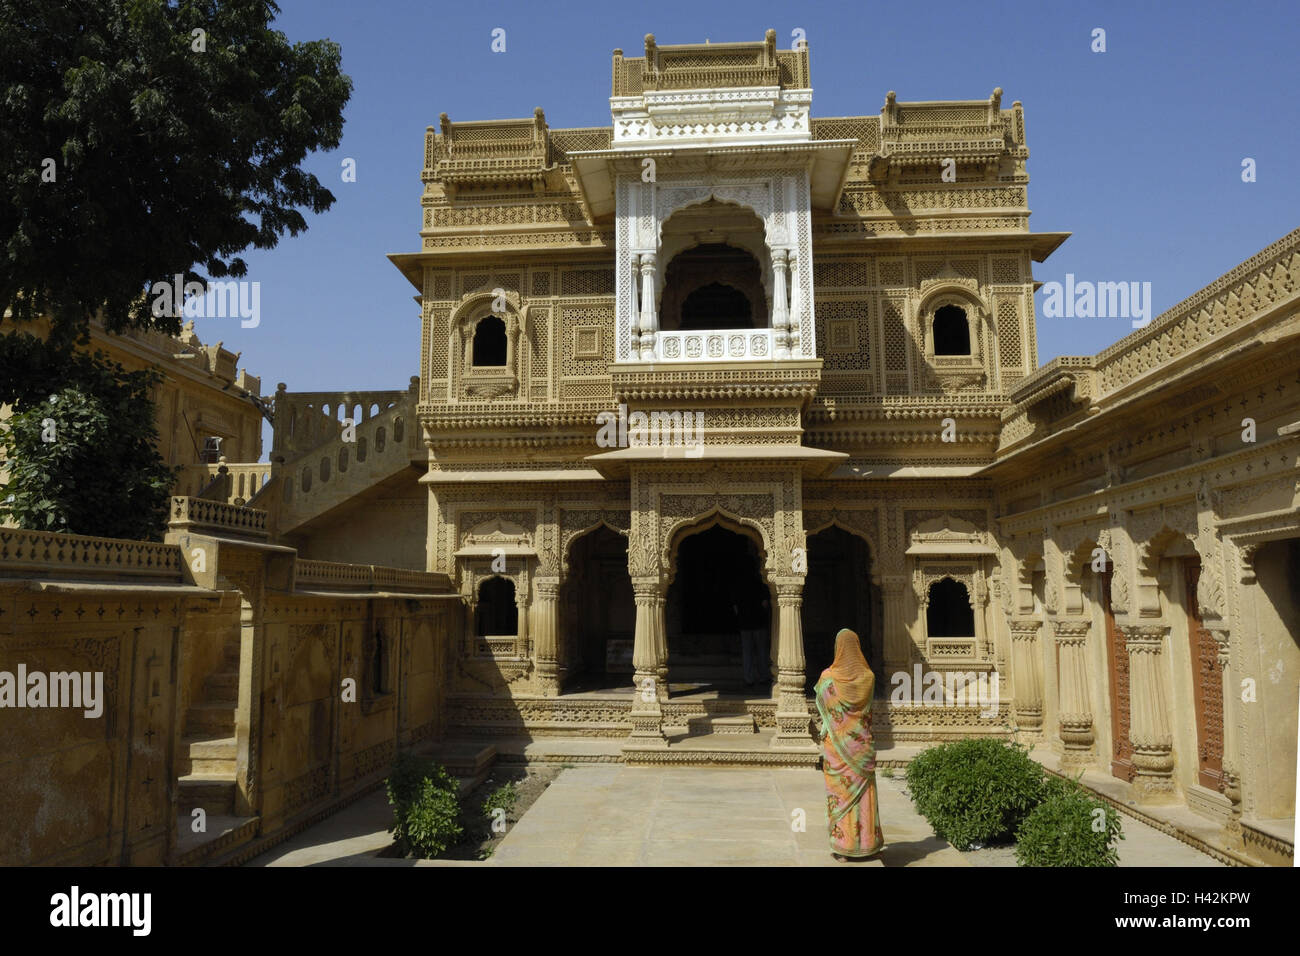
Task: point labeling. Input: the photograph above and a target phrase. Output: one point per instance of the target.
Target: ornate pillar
(793, 723)
(521, 623)
(1027, 676)
(1153, 743)
(897, 641)
(1075, 711)
(634, 297)
(661, 644)
(649, 321)
(544, 630)
(1231, 776)
(780, 313)
(647, 715)
(793, 321)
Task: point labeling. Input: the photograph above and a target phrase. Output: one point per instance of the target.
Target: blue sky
(1136, 151)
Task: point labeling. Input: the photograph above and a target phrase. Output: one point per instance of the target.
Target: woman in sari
(844, 693)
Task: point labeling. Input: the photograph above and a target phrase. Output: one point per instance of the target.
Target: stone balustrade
(52, 554)
(206, 516)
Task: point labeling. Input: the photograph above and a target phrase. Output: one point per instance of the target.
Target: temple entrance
(717, 592)
(597, 614)
(838, 593)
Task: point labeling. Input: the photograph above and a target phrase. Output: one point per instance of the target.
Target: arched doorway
(598, 613)
(717, 591)
(838, 593)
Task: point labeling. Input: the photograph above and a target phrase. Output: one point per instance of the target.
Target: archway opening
(949, 613)
(597, 614)
(489, 343)
(718, 592)
(838, 593)
(496, 614)
(713, 286)
(951, 331)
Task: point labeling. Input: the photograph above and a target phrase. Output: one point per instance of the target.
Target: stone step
(722, 724)
(231, 654)
(214, 795)
(210, 719)
(710, 757)
(223, 685)
(209, 756)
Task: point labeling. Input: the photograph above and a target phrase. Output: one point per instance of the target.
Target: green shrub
(974, 791)
(420, 823)
(433, 820)
(1069, 828)
(503, 797)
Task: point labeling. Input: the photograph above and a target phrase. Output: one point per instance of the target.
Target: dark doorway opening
(597, 614)
(838, 593)
(717, 590)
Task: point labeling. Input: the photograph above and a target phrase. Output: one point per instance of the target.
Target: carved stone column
(634, 323)
(544, 630)
(1075, 710)
(661, 644)
(1027, 676)
(780, 314)
(649, 320)
(793, 723)
(647, 715)
(521, 625)
(1232, 830)
(795, 305)
(897, 641)
(1153, 743)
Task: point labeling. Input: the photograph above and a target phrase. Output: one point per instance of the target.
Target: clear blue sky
(1136, 151)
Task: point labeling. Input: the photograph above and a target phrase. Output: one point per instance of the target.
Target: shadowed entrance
(717, 590)
(838, 593)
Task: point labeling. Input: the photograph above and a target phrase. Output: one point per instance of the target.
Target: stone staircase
(321, 470)
(207, 763)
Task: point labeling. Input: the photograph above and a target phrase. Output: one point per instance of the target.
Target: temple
(720, 355)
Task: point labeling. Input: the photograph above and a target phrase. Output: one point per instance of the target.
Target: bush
(975, 791)
(1069, 828)
(503, 797)
(433, 821)
(422, 793)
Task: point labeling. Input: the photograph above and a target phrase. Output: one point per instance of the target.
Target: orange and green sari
(849, 755)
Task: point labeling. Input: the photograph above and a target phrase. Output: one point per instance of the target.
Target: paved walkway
(613, 815)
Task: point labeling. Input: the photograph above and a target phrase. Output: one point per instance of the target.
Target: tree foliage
(84, 460)
(134, 147)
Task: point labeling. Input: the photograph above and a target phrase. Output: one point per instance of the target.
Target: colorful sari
(848, 752)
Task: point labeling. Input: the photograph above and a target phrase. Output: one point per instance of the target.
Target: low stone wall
(323, 684)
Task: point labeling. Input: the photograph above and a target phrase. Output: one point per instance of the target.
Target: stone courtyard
(614, 815)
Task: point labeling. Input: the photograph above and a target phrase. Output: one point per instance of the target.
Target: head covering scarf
(853, 678)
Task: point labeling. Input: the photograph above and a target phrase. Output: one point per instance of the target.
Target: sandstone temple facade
(721, 351)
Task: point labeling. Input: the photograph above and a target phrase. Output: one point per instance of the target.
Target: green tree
(85, 459)
(140, 139)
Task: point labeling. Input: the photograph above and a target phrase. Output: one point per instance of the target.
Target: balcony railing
(719, 345)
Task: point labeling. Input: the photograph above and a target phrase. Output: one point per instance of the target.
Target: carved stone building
(843, 309)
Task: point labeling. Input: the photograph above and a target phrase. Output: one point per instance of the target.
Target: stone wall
(120, 787)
